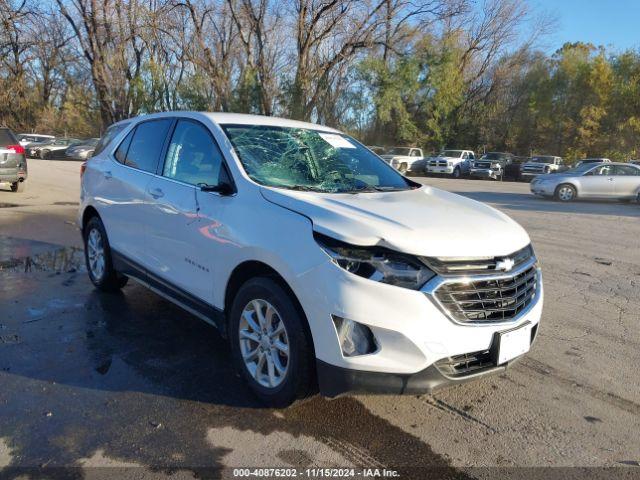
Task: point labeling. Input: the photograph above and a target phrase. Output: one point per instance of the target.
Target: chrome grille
(483, 164)
(489, 300)
(533, 168)
(476, 266)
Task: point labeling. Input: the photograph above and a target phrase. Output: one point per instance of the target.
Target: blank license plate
(514, 343)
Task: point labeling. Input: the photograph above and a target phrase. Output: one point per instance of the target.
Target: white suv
(322, 265)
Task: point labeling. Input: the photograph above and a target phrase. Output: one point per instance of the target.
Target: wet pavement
(133, 377)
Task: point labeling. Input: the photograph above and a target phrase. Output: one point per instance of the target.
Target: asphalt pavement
(129, 380)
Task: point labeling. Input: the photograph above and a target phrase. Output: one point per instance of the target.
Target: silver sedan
(591, 180)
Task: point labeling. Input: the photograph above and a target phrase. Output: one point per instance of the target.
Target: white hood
(425, 221)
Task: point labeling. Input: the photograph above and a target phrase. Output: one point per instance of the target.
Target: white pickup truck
(405, 159)
(451, 162)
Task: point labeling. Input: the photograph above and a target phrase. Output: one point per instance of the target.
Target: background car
(405, 159)
(450, 162)
(491, 165)
(57, 148)
(591, 180)
(540, 164)
(634, 162)
(82, 150)
(27, 139)
(13, 163)
(33, 149)
(592, 160)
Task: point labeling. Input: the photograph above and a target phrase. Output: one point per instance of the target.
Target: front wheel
(456, 172)
(97, 255)
(45, 154)
(17, 187)
(271, 348)
(403, 168)
(566, 193)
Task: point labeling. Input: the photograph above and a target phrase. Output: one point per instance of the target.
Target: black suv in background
(13, 163)
(491, 165)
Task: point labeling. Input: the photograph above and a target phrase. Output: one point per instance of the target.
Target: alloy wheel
(565, 193)
(95, 253)
(264, 343)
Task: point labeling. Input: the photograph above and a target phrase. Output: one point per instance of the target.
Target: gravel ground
(129, 380)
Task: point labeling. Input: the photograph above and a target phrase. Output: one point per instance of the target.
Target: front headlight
(375, 263)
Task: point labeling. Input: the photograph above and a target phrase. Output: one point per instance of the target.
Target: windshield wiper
(374, 188)
(301, 188)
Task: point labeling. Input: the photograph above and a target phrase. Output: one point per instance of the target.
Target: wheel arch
(252, 269)
(89, 212)
(567, 182)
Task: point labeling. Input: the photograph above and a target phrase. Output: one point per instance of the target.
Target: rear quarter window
(108, 136)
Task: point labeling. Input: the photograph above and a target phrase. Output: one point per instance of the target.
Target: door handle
(108, 175)
(156, 193)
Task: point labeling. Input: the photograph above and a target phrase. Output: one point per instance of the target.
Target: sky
(612, 23)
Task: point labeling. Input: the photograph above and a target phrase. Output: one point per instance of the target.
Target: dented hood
(425, 221)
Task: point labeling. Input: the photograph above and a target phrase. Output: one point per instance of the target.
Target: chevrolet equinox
(323, 266)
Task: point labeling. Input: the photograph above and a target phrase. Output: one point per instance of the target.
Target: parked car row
(548, 174)
(49, 147)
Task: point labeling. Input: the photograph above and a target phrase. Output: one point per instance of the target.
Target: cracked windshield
(311, 160)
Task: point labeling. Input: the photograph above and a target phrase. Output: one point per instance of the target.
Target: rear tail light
(83, 167)
(19, 149)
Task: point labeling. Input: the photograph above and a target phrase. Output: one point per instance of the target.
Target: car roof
(226, 118)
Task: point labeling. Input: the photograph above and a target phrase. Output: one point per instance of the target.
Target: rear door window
(626, 170)
(146, 144)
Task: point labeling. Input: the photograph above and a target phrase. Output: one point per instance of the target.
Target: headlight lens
(377, 264)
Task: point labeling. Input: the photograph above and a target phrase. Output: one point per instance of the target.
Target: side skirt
(203, 310)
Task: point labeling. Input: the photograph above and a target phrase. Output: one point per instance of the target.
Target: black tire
(45, 154)
(17, 187)
(456, 172)
(402, 168)
(560, 195)
(299, 380)
(110, 280)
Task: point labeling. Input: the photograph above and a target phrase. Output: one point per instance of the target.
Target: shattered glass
(310, 160)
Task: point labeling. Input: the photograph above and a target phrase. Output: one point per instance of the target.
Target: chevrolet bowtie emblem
(505, 264)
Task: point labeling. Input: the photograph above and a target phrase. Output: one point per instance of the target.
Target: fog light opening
(354, 338)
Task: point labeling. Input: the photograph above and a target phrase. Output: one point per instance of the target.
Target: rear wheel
(270, 344)
(97, 255)
(566, 192)
(17, 187)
